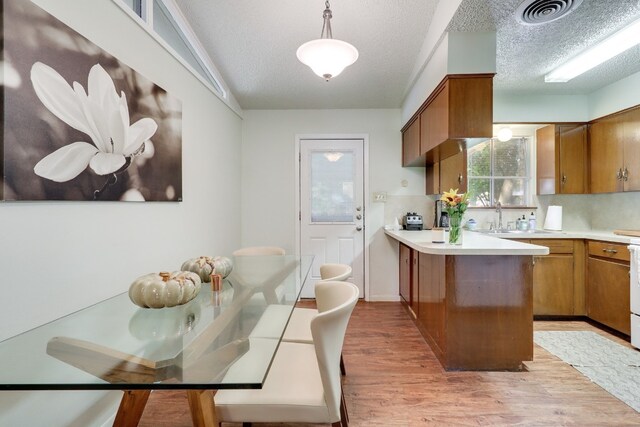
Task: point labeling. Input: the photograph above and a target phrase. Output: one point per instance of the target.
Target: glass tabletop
(221, 339)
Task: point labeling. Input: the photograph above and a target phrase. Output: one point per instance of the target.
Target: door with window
(331, 206)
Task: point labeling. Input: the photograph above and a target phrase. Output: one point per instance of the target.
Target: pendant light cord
(326, 26)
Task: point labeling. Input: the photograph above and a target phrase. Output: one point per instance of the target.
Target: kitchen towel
(553, 220)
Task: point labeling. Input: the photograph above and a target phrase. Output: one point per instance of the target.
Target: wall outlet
(380, 197)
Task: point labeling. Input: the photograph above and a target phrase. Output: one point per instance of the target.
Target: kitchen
(237, 171)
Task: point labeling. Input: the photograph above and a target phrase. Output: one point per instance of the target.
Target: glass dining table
(116, 345)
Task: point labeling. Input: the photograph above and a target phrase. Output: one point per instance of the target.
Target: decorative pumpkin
(157, 290)
(205, 266)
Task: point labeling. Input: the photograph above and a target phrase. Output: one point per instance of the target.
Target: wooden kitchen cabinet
(408, 279)
(475, 311)
(558, 278)
(614, 150)
(453, 172)
(405, 273)
(458, 111)
(608, 285)
(411, 145)
(432, 179)
(562, 165)
(553, 278)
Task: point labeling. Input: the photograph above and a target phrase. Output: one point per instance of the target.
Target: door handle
(359, 208)
(358, 228)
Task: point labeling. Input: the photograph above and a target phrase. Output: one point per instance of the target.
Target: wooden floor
(394, 379)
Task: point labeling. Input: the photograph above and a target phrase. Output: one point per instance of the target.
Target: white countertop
(604, 235)
(472, 244)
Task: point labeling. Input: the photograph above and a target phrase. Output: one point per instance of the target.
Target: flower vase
(455, 229)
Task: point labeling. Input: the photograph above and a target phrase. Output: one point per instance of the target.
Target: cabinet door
(608, 293)
(435, 121)
(546, 160)
(432, 179)
(453, 172)
(411, 144)
(572, 165)
(632, 149)
(415, 273)
(553, 285)
(405, 273)
(606, 155)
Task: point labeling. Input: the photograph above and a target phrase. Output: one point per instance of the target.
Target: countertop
(603, 235)
(472, 244)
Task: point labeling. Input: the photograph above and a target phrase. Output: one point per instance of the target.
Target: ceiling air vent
(534, 12)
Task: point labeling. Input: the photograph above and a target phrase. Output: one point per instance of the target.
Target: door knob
(358, 216)
(358, 208)
(358, 228)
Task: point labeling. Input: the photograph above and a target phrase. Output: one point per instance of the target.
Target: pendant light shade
(326, 56)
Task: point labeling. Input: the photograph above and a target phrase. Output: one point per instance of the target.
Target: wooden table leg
(203, 410)
(131, 408)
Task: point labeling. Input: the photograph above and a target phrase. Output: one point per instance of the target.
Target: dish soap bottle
(532, 221)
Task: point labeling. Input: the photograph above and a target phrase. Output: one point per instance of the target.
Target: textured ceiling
(525, 53)
(253, 44)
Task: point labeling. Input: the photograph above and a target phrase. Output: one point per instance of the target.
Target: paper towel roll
(553, 220)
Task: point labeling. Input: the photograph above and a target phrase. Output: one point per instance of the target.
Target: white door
(331, 206)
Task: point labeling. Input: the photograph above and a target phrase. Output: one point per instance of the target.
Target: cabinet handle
(460, 178)
(625, 174)
(619, 174)
(564, 179)
(610, 251)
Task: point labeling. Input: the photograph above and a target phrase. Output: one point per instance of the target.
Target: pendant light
(326, 56)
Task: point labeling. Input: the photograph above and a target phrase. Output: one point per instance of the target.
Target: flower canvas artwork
(78, 124)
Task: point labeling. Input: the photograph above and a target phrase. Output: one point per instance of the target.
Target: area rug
(612, 366)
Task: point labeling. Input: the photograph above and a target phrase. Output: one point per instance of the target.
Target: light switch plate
(379, 196)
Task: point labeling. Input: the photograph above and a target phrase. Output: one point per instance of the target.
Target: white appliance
(634, 248)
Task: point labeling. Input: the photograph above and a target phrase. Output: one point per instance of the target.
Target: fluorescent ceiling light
(613, 45)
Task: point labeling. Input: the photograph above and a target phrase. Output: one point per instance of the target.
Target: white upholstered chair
(253, 265)
(303, 384)
(299, 328)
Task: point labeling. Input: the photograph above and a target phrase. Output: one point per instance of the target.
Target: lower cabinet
(558, 278)
(608, 285)
(409, 277)
(431, 311)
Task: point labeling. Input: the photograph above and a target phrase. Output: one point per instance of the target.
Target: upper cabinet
(458, 111)
(614, 144)
(411, 145)
(561, 159)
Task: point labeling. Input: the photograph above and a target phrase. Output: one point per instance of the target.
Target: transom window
(500, 171)
(162, 18)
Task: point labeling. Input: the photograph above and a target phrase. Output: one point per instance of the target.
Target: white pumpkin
(158, 290)
(205, 266)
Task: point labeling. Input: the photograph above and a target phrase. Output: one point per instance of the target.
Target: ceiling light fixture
(613, 45)
(333, 156)
(505, 134)
(326, 56)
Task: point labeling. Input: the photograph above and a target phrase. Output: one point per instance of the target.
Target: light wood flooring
(394, 379)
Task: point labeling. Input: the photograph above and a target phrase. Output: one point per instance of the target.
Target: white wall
(518, 108)
(269, 214)
(58, 257)
(615, 97)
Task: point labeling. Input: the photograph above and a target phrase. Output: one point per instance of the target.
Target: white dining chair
(251, 265)
(303, 384)
(299, 328)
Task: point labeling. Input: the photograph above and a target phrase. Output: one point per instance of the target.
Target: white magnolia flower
(100, 113)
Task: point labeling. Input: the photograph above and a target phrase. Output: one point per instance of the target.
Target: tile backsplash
(608, 211)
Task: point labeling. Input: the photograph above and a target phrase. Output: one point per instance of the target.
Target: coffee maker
(441, 217)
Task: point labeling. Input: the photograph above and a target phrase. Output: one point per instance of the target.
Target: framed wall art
(77, 123)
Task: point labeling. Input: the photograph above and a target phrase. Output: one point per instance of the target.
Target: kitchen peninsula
(473, 302)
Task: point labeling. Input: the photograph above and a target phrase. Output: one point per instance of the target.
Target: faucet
(499, 210)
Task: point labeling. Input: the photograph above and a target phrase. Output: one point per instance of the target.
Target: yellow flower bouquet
(455, 204)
